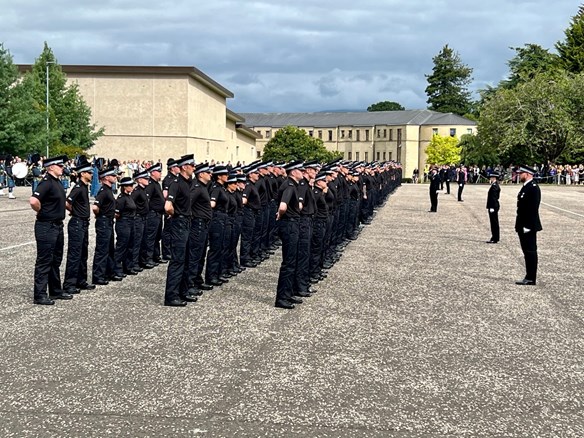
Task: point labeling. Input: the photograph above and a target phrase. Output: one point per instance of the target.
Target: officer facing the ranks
(178, 207)
(493, 206)
(78, 230)
(48, 201)
(527, 223)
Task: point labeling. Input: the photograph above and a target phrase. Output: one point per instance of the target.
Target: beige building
(385, 135)
(152, 113)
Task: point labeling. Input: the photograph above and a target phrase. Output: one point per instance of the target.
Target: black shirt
(305, 196)
(232, 206)
(253, 197)
(200, 201)
(141, 200)
(289, 195)
(320, 202)
(51, 194)
(79, 200)
(219, 195)
(125, 205)
(263, 191)
(179, 193)
(155, 197)
(353, 191)
(168, 180)
(106, 202)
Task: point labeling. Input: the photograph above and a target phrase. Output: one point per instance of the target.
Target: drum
(19, 170)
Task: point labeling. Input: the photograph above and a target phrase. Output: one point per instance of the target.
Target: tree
(474, 150)
(571, 50)
(447, 88)
(443, 150)
(528, 62)
(386, 105)
(292, 143)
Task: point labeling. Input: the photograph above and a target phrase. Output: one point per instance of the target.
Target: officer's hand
(437, 191)
(491, 210)
(526, 230)
(278, 215)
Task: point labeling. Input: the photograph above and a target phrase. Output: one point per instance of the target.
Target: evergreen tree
(528, 62)
(571, 50)
(447, 88)
(292, 143)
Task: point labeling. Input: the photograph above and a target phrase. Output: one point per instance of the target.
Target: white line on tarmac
(561, 209)
(16, 246)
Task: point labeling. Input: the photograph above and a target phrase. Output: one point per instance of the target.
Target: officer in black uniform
(150, 250)
(251, 212)
(527, 223)
(78, 230)
(172, 175)
(199, 231)
(142, 201)
(104, 208)
(219, 204)
(227, 260)
(493, 206)
(125, 217)
(48, 201)
(434, 178)
(178, 207)
(461, 182)
(288, 216)
(319, 228)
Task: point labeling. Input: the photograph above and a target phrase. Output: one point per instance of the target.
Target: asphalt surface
(419, 330)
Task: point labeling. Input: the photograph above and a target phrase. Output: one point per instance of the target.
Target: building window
(258, 154)
(268, 134)
(311, 133)
(259, 133)
(391, 135)
(350, 154)
(367, 135)
(378, 133)
(385, 133)
(378, 155)
(330, 134)
(434, 131)
(358, 135)
(320, 134)
(237, 151)
(366, 156)
(350, 133)
(399, 137)
(342, 133)
(469, 130)
(453, 132)
(356, 156)
(384, 156)
(390, 156)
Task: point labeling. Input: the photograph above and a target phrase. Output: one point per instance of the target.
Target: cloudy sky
(290, 56)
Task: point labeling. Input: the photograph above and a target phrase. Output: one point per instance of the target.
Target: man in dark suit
(461, 178)
(434, 177)
(527, 223)
(493, 206)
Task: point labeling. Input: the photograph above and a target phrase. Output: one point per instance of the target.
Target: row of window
(381, 133)
(452, 131)
(386, 156)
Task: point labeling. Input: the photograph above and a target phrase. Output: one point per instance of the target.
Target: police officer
(251, 212)
(461, 181)
(78, 230)
(319, 228)
(104, 208)
(125, 217)
(219, 204)
(527, 223)
(141, 199)
(171, 176)
(288, 216)
(493, 206)
(48, 201)
(434, 188)
(153, 230)
(178, 208)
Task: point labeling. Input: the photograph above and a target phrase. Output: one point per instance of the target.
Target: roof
(334, 119)
(194, 72)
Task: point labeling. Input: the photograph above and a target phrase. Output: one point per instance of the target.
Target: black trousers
(317, 245)
(302, 275)
(257, 235)
(151, 233)
(247, 234)
(166, 238)
(433, 200)
(494, 220)
(273, 232)
(265, 239)
(226, 249)
(103, 258)
(529, 247)
(352, 210)
(460, 189)
(124, 255)
(139, 226)
(197, 246)
(447, 187)
(216, 236)
(288, 231)
(76, 269)
(177, 276)
(50, 241)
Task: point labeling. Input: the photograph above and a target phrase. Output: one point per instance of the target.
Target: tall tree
(447, 88)
(528, 62)
(443, 150)
(571, 50)
(292, 143)
(386, 105)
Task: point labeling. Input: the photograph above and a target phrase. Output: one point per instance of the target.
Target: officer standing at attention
(461, 182)
(141, 200)
(153, 229)
(434, 178)
(104, 208)
(178, 207)
(78, 230)
(251, 212)
(125, 216)
(527, 223)
(493, 206)
(49, 203)
(171, 176)
(288, 216)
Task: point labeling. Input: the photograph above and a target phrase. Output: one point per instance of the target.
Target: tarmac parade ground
(419, 330)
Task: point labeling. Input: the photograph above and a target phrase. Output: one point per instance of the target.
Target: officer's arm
(281, 210)
(35, 204)
(68, 205)
(169, 208)
(95, 209)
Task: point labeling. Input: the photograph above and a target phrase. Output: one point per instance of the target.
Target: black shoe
(295, 300)
(284, 305)
(138, 269)
(161, 261)
(86, 286)
(314, 280)
(312, 290)
(175, 303)
(240, 269)
(190, 298)
(194, 292)
(61, 296)
(101, 282)
(249, 265)
(525, 282)
(73, 291)
(302, 294)
(116, 278)
(44, 301)
(204, 286)
(148, 265)
(131, 272)
(227, 275)
(224, 279)
(215, 282)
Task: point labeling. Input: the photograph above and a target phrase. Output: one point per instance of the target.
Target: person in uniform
(219, 204)
(171, 176)
(251, 214)
(527, 223)
(153, 230)
(140, 197)
(78, 230)
(288, 216)
(461, 181)
(104, 208)
(319, 228)
(48, 201)
(125, 217)
(434, 188)
(178, 208)
(493, 206)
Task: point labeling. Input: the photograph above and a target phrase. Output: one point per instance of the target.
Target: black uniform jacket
(528, 201)
(493, 196)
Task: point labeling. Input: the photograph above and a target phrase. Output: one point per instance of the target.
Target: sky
(290, 56)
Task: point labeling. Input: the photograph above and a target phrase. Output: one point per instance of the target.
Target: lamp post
(47, 103)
